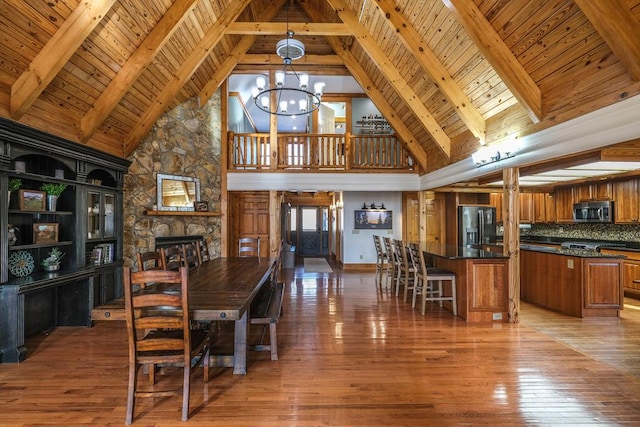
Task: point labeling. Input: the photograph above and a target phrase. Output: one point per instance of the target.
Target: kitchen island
(576, 282)
(482, 280)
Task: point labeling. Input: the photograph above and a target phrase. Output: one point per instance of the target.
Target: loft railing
(330, 152)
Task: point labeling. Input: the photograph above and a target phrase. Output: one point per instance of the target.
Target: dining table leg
(240, 345)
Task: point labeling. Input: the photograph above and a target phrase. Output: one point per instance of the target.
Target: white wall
(359, 243)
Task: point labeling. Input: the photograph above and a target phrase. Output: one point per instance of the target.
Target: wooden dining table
(222, 290)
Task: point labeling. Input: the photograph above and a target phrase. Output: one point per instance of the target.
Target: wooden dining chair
(159, 333)
(205, 255)
(172, 258)
(393, 262)
(429, 282)
(249, 247)
(405, 276)
(191, 256)
(151, 260)
(382, 259)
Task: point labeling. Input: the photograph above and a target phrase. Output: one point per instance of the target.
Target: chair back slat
(191, 254)
(249, 247)
(172, 258)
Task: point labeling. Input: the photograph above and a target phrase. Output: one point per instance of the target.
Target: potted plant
(14, 184)
(52, 262)
(53, 192)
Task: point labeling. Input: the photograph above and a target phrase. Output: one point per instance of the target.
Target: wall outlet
(497, 316)
(361, 256)
(569, 263)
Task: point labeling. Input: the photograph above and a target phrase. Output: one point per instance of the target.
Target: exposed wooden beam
(280, 28)
(499, 56)
(272, 58)
(133, 68)
(311, 69)
(434, 68)
(386, 66)
(619, 27)
(55, 54)
(231, 61)
(378, 99)
(184, 73)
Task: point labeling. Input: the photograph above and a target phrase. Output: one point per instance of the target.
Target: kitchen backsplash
(619, 232)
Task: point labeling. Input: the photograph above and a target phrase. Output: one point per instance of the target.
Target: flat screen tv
(373, 219)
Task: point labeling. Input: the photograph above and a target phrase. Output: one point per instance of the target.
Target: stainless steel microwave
(593, 212)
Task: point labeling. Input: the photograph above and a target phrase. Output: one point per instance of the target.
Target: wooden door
(249, 217)
(539, 207)
(435, 215)
(627, 201)
(411, 217)
(550, 207)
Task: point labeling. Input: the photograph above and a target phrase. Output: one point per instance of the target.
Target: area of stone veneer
(184, 141)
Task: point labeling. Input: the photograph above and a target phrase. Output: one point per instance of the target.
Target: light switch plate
(570, 263)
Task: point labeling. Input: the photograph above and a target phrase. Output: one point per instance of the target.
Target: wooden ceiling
(448, 74)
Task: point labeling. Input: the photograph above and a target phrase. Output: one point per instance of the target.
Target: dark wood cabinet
(495, 199)
(526, 208)
(88, 215)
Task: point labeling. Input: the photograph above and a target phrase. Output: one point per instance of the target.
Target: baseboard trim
(358, 266)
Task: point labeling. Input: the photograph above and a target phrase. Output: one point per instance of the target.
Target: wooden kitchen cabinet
(544, 210)
(526, 208)
(630, 270)
(564, 204)
(594, 191)
(495, 199)
(626, 207)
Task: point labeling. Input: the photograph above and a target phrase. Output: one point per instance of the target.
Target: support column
(511, 238)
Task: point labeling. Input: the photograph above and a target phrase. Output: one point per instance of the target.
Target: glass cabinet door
(109, 208)
(93, 215)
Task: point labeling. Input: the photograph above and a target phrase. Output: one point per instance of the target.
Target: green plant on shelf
(53, 189)
(15, 184)
(54, 259)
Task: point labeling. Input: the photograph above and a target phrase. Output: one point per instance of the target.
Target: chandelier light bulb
(261, 83)
(317, 88)
(303, 105)
(255, 92)
(283, 106)
(264, 101)
(304, 80)
(279, 78)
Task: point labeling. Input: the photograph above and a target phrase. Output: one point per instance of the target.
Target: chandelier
(290, 100)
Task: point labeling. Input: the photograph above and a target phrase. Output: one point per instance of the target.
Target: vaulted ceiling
(449, 75)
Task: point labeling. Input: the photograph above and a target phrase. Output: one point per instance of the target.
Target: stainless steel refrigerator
(476, 225)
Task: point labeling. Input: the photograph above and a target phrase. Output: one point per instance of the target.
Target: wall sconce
(495, 153)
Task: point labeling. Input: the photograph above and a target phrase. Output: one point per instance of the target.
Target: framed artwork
(32, 200)
(201, 206)
(373, 219)
(45, 233)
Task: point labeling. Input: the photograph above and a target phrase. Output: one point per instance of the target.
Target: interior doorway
(310, 230)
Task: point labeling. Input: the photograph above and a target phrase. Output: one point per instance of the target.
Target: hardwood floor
(350, 355)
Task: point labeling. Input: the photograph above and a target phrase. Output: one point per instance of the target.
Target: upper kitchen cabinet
(594, 191)
(495, 199)
(544, 209)
(564, 200)
(626, 207)
(526, 208)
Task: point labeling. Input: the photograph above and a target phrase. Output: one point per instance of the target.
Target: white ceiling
(588, 170)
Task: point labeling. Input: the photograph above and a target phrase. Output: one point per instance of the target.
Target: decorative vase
(53, 267)
(51, 202)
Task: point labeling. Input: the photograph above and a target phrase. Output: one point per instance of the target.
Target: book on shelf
(102, 254)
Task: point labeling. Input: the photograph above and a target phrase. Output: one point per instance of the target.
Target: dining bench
(266, 309)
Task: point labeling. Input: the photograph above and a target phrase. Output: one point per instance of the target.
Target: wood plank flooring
(353, 356)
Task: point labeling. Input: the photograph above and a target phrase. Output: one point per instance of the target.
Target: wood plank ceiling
(448, 74)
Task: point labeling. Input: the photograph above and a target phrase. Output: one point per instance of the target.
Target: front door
(313, 231)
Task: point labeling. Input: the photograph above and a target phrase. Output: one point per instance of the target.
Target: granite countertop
(458, 252)
(615, 244)
(568, 252)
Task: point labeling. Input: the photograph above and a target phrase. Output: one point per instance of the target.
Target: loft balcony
(318, 152)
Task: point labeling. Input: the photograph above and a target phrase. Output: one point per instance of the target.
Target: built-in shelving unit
(88, 214)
